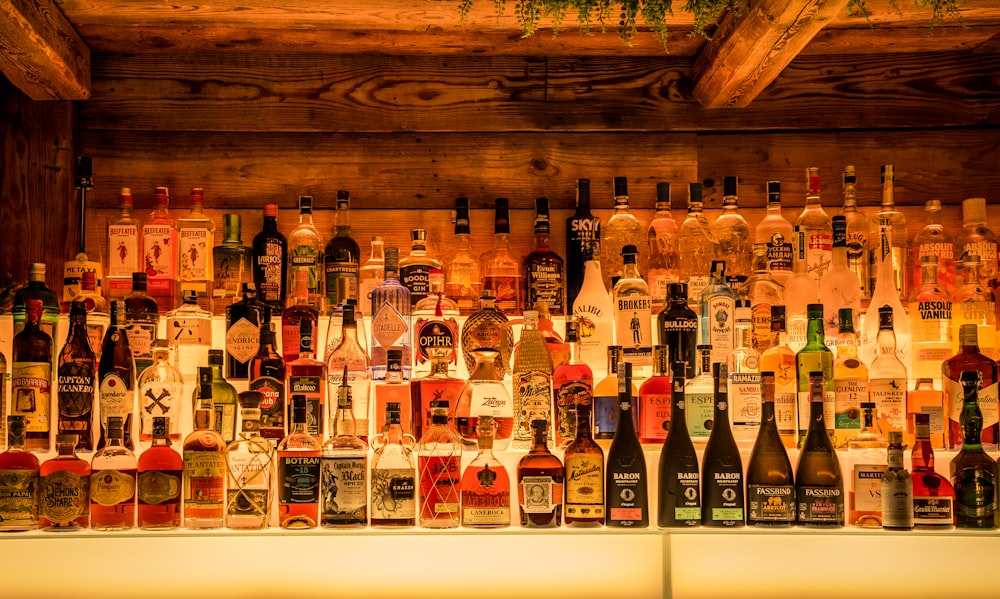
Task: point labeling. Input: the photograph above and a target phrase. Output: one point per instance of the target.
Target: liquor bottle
(974, 304)
(250, 470)
(780, 360)
(532, 381)
(858, 253)
(633, 315)
(485, 484)
(116, 376)
(435, 326)
(884, 293)
(626, 485)
(933, 495)
(722, 479)
(77, 375)
(437, 386)
(763, 291)
(677, 327)
(801, 289)
(733, 233)
(584, 461)
(815, 356)
(204, 472)
(544, 272)
(933, 241)
(124, 245)
(487, 328)
(64, 489)
(501, 272)
(19, 481)
(770, 492)
(572, 383)
(231, 265)
(975, 239)
(160, 256)
(298, 470)
(371, 274)
(839, 287)
(270, 263)
(930, 321)
(342, 256)
(160, 388)
(350, 354)
(307, 376)
(897, 488)
(887, 376)
(606, 399)
(390, 318)
(439, 455)
(867, 454)
(393, 475)
(335, 326)
(540, 480)
(414, 270)
(344, 468)
(889, 215)
(818, 229)
(142, 313)
(594, 311)
(243, 321)
(679, 479)
(96, 307)
(189, 336)
(973, 472)
(744, 390)
(267, 376)
(31, 379)
(699, 398)
(850, 377)
(774, 232)
(622, 229)
(113, 483)
(925, 399)
(393, 389)
(159, 481)
(697, 246)
(485, 394)
(36, 289)
(718, 307)
(292, 317)
(970, 358)
(222, 395)
(463, 281)
(662, 250)
(819, 484)
(583, 236)
(653, 408)
(305, 253)
(196, 240)
(557, 347)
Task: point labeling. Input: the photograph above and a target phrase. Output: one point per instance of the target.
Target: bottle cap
(189, 296)
(885, 317)
(139, 281)
(36, 271)
(694, 194)
(305, 204)
(679, 290)
(343, 199)
(729, 186)
(125, 198)
(270, 210)
(394, 360)
(531, 317)
(621, 186)
(630, 250)
(932, 206)
(203, 418)
(197, 196)
(250, 400)
(845, 320)
(418, 235)
(161, 197)
(849, 174)
(773, 189)
(974, 210)
(160, 424)
(663, 194)
(895, 437)
(88, 281)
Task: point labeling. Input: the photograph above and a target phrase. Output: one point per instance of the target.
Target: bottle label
(76, 389)
(247, 502)
(627, 492)
(393, 494)
(116, 397)
(341, 281)
(65, 496)
(159, 247)
(436, 334)
(507, 289)
(719, 314)
(230, 269)
(532, 401)
(584, 486)
(123, 250)
(268, 271)
(31, 393)
(160, 486)
(545, 283)
(242, 340)
(111, 487)
(955, 397)
(819, 252)
(696, 285)
(700, 414)
(771, 503)
(867, 480)
(312, 388)
(820, 505)
(225, 421)
(975, 492)
(489, 504)
(272, 405)
(249, 489)
(933, 511)
(654, 416)
(204, 479)
(848, 396)
(195, 248)
(189, 331)
(744, 400)
(305, 257)
(440, 485)
(633, 329)
(569, 396)
(605, 416)
(540, 494)
(18, 489)
(140, 340)
(344, 487)
(417, 279)
(760, 334)
(729, 495)
(158, 398)
(388, 326)
(779, 253)
(298, 479)
(889, 397)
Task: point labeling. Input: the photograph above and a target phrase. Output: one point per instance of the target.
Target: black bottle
(680, 483)
(626, 492)
(722, 482)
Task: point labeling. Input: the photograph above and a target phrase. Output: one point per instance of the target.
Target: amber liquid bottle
(161, 470)
(627, 496)
(540, 480)
(544, 274)
(270, 261)
(77, 370)
(722, 482)
(770, 484)
(31, 379)
(204, 466)
(584, 471)
(819, 483)
(116, 376)
(680, 481)
(267, 376)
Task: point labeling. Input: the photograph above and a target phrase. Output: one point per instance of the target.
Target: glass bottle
(267, 376)
(627, 492)
(196, 240)
(887, 376)
(142, 313)
(344, 467)
(594, 311)
(19, 481)
(839, 287)
(780, 360)
(850, 377)
(463, 281)
(697, 246)
(815, 356)
(64, 489)
(160, 389)
(885, 294)
(925, 399)
(572, 383)
(160, 476)
(292, 317)
(437, 386)
(435, 326)
(485, 394)
(584, 461)
(439, 455)
(189, 336)
(801, 289)
(818, 229)
(540, 481)
(677, 327)
(31, 379)
(124, 245)
(113, 483)
(889, 215)
(391, 327)
(867, 454)
(298, 480)
(414, 270)
(633, 318)
(223, 396)
(307, 376)
(160, 258)
(98, 315)
(774, 233)
(231, 265)
(763, 291)
(393, 475)
(532, 381)
(544, 272)
(350, 355)
(77, 375)
(897, 488)
(485, 484)
(679, 479)
(335, 325)
(662, 250)
(699, 397)
(819, 483)
(583, 232)
(770, 492)
(933, 495)
(718, 308)
(371, 274)
(933, 241)
(733, 233)
(487, 328)
(557, 347)
(744, 390)
(975, 239)
(605, 404)
(393, 389)
(501, 272)
(243, 321)
(969, 358)
(305, 253)
(973, 472)
(857, 233)
(270, 263)
(342, 256)
(250, 470)
(622, 229)
(204, 472)
(723, 502)
(117, 377)
(930, 309)
(974, 304)
(653, 407)
(36, 289)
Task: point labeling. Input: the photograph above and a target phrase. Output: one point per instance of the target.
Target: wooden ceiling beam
(753, 45)
(41, 53)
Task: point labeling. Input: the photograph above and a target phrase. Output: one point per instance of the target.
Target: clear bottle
(437, 386)
(858, 251)
(439, 456)
(159, 243)
(267, 375)
(64, 490)
(584, 461)
(819, 483)
(594, 311)
(867, 455)
(933, 495)
(159, 482)
(973, 472)
(887, 376)
(371, 274)
(487, 328)
(697, 247)
(124, 243)
(840, 287)
(485, 484)
(733, 233)
(113, 483)
(572, 383)
(780, 360)
(98, 314)
(699, 398)
(627, 492)
(298, 310)
(36, 289)
(391, 325)
(204, 452)
(633, 319)
(305, 253)
(196, 240)
(770, 484)
(250, 470)
(850, 377)
(463, 281)
(718, 309)
(764, 291)
(654, 404)
(298, 468)
(924, 398)
(969, 358)
(801, 289)
(19, 481)
(622, 229)
(116, 374)
(889, 215)
(485, 394)
(532, 381)
(679, 479)
(393, 389)
(31, 379)
(975, 239)
(815, 356)
(544, 270)
(189, 335)
(231, 265)
(933, 241)
(818, 229)
(605, 404)
(350, 357)
(974, 304)
(662, 250)
(897, 488)
(160, 390)
(930, 309)
(76, 378)
(885, 294)
(414, 270)
(744, 390)
(307, 376)
(393, 475)
(344, 467)
(677, 328)
(142, 314)
(501, 272)
(774, 232)
(270, 262)
(341, 257)
(723, 502)
(435, 326)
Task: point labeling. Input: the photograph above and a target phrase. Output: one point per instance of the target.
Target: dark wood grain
(41, 53)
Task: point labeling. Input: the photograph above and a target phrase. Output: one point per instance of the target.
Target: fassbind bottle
(770, 484)
(819, 483)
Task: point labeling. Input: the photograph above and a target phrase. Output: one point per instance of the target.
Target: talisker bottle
(722, 485)
(680, 500)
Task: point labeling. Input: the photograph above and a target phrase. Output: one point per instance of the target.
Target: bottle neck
(923, 452)
(815, 333)
(541, 241)
(972, 424)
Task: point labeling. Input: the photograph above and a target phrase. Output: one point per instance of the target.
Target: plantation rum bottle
(270, 264)
(887, 376)
(867, 454)
(723, 502)
(815, 356)
(930, 309)
(583, 234)
(501, 272)
(124, 247)
(160, 256)
(64, 489)
(31, 379)
(243, 321)
(933, 495)
(969, 358)
(632, 315)
(487, 328)
(204, 452)
(697, 247)
(897, 488)
(159, 481)
(584, 473)
(485, 484)
(344, 468)
(973, 472)
(435, 326)
(540, 480)
(572, 383)
(393, 475)
(819, 484)
(662, 251)
(142, 314)
(850, 383)
(231, 265)
(774, 232)
(770, 492)
(113, 483)
(889, 215)
(196, 240)
(532, 381)
(415, 269)
(780, 360)
(463, 281)
(733, 233)
(250, 470)
(391, 327)
(677, 328)
(933, 241)
(19, 481)
(622, 229)
(116, 377)
(817, 227)
(342, 257)
(305, 254)
(544, 272)
(857, 233)
(77, 378)
(679, 480)
(439, 458)
(267, 377)
(298, 472)
(626, 496)
(653, 407)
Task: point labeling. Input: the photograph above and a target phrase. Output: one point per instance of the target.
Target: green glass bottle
(815, 357)
(973, 472)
